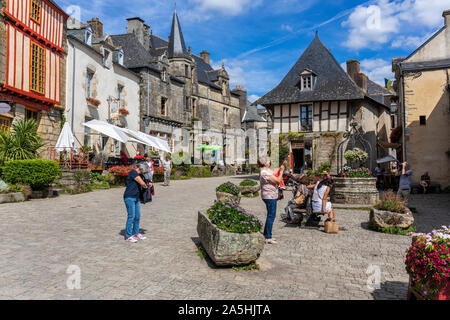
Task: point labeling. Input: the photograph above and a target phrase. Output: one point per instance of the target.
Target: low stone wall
(355, 191)
(75, 179)
(11, 197)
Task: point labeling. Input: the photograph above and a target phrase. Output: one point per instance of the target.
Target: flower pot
(223, 196)
(228, 248)
(249, 189)
(443, 294)
(386, 219)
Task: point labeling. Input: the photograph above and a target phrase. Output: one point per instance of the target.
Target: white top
(167, 164)
(319, 193)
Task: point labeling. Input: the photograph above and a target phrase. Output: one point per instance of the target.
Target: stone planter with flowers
(390, 212)
(249, 187)
(427, 263)
(230, 235)
(228, 192)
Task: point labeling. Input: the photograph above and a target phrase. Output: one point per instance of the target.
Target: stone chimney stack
(141, 30)
(446, 15)
(205, 56)
(353, 70)
(242, 99)
(97, 27)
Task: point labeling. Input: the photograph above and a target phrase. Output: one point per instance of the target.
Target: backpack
(301, 200)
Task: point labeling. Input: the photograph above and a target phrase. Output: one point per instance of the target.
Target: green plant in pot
(228, 192)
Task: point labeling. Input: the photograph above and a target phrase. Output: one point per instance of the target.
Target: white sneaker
(131, 239)
(139, 237)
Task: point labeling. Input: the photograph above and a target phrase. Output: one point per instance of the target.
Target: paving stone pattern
(40, 239)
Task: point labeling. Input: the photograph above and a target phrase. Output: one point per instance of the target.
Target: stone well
(355, 191)
(228, 248)
(223, 196)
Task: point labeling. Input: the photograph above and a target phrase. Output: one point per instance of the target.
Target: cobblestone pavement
(40, 239)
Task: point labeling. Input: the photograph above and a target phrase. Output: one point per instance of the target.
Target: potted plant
(427, 263)
(228, 191)
(390, 212)
(249, 187)
(93, 101)
(124, 112)
(230, 235)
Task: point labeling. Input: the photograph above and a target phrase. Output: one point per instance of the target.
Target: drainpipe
(209, 112)
(148, 93)
(403, 104)
(73, 87)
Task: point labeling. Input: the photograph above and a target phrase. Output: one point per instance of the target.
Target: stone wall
(77, 180)
(325, 146)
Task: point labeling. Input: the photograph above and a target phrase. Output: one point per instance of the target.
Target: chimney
(97, 27)
(205, 56)
(353, 70)
(446, 15)
(242, 99)
(140, 29)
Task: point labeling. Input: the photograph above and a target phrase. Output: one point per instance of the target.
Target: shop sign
(298, 145)
(4, 107)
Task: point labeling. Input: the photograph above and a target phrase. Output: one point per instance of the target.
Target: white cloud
(376, 24)
(286, 27)
(253, 97)
(228, 7)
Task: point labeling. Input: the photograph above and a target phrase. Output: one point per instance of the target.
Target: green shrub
(248, 183)
(392, 230)
(230, 188)
(21, 143)
(392, 203)
(231, 217)
(37, 173)
(103, 185)
(446, 189)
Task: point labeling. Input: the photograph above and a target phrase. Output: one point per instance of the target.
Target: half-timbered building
(32, 63)
(317, 100)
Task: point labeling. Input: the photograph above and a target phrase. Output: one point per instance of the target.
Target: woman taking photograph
(132, 202)
(320, 198)
(269, 193)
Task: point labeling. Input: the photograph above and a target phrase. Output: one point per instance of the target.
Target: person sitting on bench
(320, 196)
(425, 181)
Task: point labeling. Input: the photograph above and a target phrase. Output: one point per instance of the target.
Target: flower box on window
(124, 111)
(93, 101)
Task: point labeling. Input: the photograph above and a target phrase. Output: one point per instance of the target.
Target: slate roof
(376, 92)
(252, 114)
(332, 82)
(135, 54)
(425, 65)
(205, 73)
(177, 46)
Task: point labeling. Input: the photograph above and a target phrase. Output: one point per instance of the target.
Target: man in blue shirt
(404, 186)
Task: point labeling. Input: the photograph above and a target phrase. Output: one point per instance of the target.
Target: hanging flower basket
(93, 101)
(124, 112)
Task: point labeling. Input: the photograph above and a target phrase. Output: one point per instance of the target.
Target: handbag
(331, 227)
(300, 200)
(280, 194)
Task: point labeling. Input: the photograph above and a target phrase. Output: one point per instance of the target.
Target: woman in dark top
(132, 202)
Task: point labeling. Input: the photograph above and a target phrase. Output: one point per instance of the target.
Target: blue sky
(259, 40)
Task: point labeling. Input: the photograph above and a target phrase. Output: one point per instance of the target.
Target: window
(120, 57)
(423, 120)
(392, 121)
(89, 77)
(5, 124)
(88, 39)
(194, 107)
(306, 117)
(37, 68)
(31, 114)
(307, 82)
(186, 103)
(164, 75)
(35, 12)
(186, 70)
(163, 106)
(87, 141)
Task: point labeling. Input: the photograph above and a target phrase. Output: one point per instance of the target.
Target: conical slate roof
(177, 46)
(332, 82)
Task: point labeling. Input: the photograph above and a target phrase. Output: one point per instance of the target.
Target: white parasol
(66, 140)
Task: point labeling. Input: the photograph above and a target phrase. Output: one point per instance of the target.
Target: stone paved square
(40, 239)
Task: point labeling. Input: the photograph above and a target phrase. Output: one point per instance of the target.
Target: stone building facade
(96, 71)
(316, 102)
(179, 88)
(33, 66)
(423, 87)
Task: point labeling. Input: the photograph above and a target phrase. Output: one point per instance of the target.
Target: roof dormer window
(307, 80)
(106, 58)
(88, 37)
(120, 56)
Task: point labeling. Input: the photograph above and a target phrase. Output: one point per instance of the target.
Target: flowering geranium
(428, 261)
(229, 216)
(348, 172)
(124, 111)
(93, 101)
(391, 202)
(121, 170)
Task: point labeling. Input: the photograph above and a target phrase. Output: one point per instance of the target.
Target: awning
(126, 135)
(388, 145)
(387, 159)
(66, 140)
